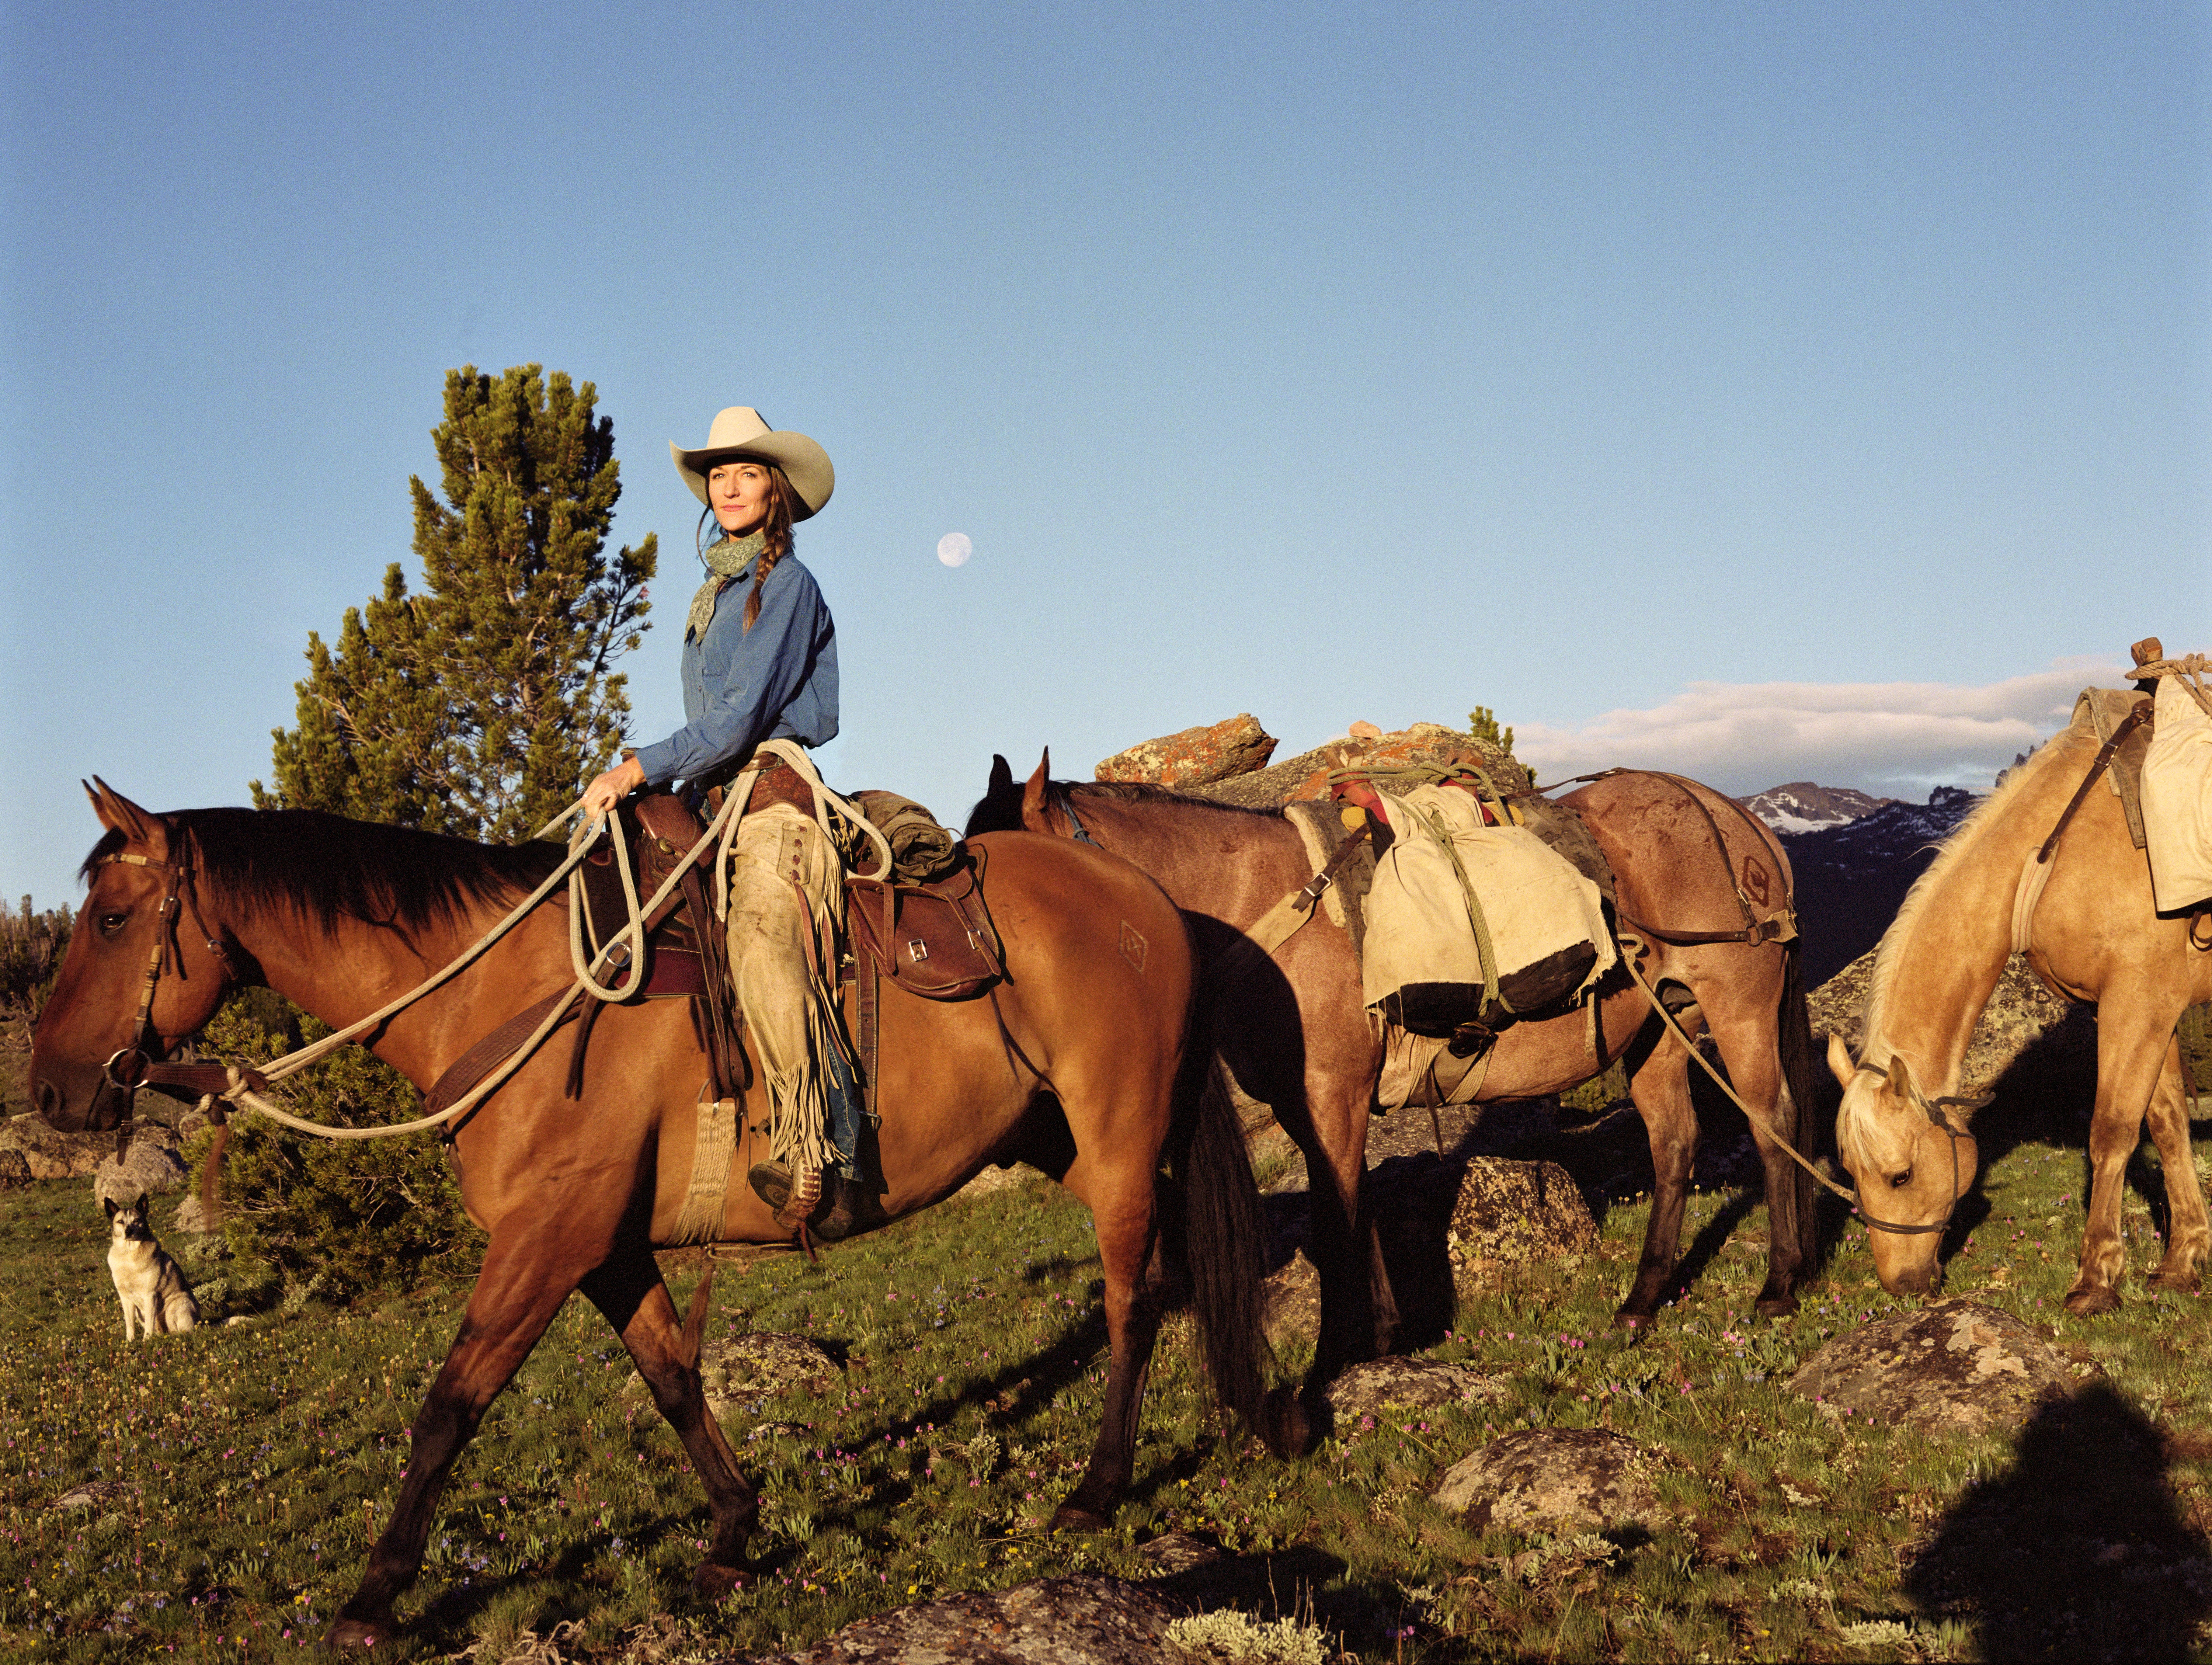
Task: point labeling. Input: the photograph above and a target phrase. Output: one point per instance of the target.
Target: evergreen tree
(482, 706)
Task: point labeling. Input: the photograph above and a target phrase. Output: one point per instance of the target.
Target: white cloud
(1895, 740)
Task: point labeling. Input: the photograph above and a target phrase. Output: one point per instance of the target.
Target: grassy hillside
(242, 1470)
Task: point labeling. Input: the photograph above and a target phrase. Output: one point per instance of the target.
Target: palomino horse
(1295, 1035)
(1076, 1066)
(2095, 936)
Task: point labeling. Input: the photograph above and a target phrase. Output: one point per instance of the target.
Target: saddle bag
(934, 941)
(1470, 926)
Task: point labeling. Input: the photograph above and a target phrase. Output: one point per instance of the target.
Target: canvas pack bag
(2176, 789)
(1470, 924)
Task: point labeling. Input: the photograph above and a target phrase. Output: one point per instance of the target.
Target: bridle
(1933, 1109)
(138, 1064)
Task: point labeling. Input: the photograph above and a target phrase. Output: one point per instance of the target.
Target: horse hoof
(1625, 1320)
(1775, 1306)
(357, 1633)
(716, 1581)
(2092, 1302)
(2177, 1283)
(1074, 1517)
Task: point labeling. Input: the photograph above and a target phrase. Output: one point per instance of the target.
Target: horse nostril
(46, 1099)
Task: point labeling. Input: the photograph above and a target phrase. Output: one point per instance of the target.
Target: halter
(143, 1063)
(1933, 1109)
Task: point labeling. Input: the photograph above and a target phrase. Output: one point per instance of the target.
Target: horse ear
(1002, 777)
(119, 814)
(1033, 815)
(1900, 1078)
(1839, 1059)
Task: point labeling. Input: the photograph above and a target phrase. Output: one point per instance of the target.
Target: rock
(2021, 1012)
(1293, 1299)
(145, 1169)
(1085, 1620)
(1238, 745)
(1306, 775)
(94, 1494)
(1179, 1552)
(1381, 1384)
(14, 1170)
(1552, 1480)
(1517, 1211)
(51, 1154)
(1955, 1366)
(194, 1217)
(749, 1368)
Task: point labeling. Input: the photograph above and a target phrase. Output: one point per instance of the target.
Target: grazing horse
(1296, 1037)
(1076, 1064)
(2095, 935)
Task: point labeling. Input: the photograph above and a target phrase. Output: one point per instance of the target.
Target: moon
(954, 549)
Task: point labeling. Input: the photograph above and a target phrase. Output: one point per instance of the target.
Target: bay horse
(1078, 1066)
(2094, 935)
(1294, 1033)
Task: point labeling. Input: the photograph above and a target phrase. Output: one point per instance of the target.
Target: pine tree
(482, 706)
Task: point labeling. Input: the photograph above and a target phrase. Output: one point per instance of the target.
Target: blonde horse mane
(1963, 838)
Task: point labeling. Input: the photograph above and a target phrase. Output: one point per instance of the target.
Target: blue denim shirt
(777, 680)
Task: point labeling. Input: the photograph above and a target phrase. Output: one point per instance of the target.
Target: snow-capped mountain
(1803, 807)
(1851, 877)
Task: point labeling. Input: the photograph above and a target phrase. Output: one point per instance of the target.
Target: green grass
(260, 1458)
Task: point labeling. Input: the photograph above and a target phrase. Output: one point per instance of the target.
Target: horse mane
(328, 869)
(1060, 794)
(1963, 837)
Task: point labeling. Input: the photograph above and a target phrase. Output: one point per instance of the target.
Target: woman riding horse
(768, 670)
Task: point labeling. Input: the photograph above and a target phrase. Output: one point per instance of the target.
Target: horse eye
(112, 923)
(1901, 1180)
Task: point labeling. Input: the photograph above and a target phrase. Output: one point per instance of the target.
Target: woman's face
(738, 493)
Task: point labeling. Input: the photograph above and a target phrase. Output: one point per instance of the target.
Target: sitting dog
(150, 1285)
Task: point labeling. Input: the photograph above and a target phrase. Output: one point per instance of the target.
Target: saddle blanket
(1474, 924)
(2177, 800)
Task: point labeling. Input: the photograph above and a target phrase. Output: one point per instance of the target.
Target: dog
(151, 1285)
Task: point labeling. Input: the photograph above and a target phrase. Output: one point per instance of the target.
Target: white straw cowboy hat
(739, 432)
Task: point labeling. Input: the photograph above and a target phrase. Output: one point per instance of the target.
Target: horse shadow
(2078, 1551)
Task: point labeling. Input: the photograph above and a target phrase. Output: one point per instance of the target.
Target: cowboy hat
(740, 432)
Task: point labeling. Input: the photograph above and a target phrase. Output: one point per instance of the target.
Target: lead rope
(1632, 945)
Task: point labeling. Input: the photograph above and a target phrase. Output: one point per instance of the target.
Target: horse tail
(1794, 1035)
(1217, 1233)
(211, 1177)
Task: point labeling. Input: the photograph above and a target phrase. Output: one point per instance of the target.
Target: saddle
(2102, 710)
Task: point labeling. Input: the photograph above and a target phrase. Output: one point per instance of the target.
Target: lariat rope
(241, 1089)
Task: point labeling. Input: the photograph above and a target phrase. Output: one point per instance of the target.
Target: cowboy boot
(841, 1210)
(793, 1203)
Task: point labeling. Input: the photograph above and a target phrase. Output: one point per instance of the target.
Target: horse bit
(146, 1068)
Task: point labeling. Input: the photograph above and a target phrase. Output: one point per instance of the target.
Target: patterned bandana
(726, 558)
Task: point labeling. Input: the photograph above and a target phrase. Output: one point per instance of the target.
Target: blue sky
(1614, 367)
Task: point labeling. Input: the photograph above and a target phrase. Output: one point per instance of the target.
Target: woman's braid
(775, 539)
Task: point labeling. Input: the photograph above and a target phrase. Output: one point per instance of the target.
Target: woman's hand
(611, 788)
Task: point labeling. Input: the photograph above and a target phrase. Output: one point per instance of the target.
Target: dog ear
(109, 1204)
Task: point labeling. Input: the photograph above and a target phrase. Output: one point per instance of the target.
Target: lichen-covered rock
(146, 1169)
(1552, 1479)
(1237, 746)
(1085, 1620)
(2021, 1012)
(1292, 1295)
(194, 1217)
(1179, 1552)
(1381, 1384)
(1956, 1366)
(1423, 743)
(1517, 1211)
(746, 1368)
(49, 1154)
(14, 1170)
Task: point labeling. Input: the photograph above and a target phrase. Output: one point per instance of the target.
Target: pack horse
(1075, 1062)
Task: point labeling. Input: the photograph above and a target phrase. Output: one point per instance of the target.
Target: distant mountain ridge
(1802, 807)
(1851, 877)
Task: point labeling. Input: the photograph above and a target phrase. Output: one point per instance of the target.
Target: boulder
(14, 1170)
(1084, 1620)
(1552, 1479)
(1955, 1366)
(1306, 775)
(1381, 1384)
(194, 1217)
(146, 1169)
(1179, 1552)
(49, 1154)
(2021, 1014)
(1517, 1211)
(1292, 1297)
(1237, 746)
(749, 1368)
